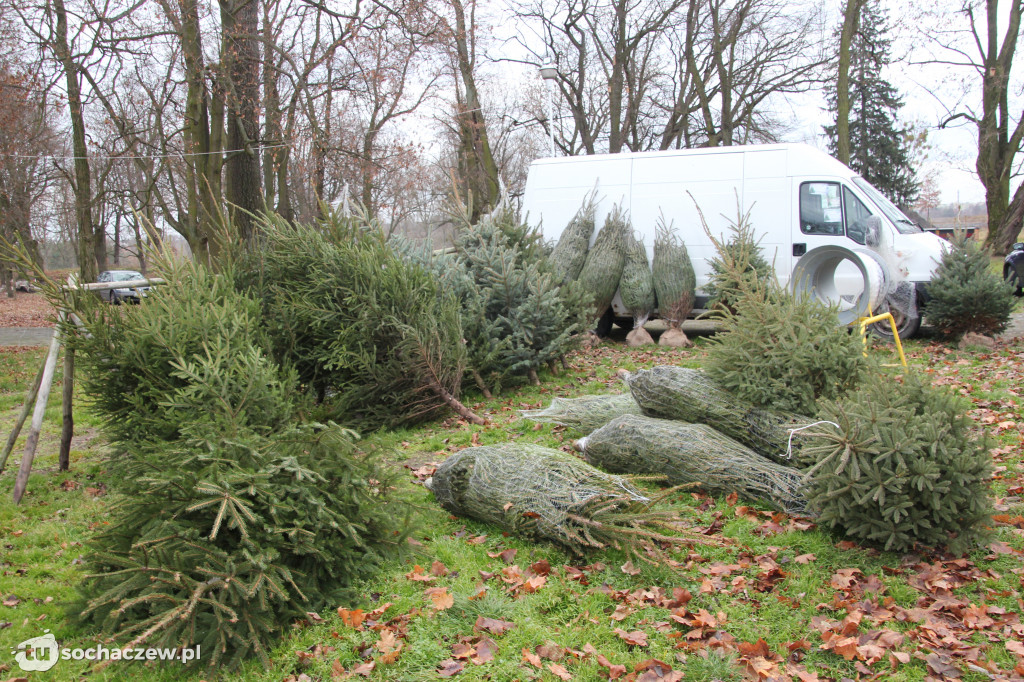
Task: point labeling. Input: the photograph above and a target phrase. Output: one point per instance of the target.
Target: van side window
(821, 210)
(856, 214)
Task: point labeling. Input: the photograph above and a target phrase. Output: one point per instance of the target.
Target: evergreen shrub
(784, 352)
(369, 332)
(739, 265)
(965, 295)
(903, 469)
(516, 315)
(233, 521)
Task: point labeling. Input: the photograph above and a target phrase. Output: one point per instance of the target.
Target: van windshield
(904, 224)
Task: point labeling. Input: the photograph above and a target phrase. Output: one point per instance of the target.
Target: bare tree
(978, 44)
(26, 141)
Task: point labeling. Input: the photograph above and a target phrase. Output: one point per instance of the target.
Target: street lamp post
(549, 72)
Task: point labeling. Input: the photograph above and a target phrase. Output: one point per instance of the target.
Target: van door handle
(799, 249)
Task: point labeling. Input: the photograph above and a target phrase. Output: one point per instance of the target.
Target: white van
(799, 198)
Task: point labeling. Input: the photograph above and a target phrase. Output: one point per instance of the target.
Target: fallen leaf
(508, 555)
(450, 667)
(364, 669)
(440, 598)
(629, 569)
(486, 648)
(614, 671)
(532, 658)
(1015, 648)
(635, 638)
(419, 574)
(805, 558)
(438, 569)
(559, 671)
(492, 625)
(353, 618)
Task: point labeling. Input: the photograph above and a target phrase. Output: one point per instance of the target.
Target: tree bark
(92, 251)
(851, 18)
(240, 58)
(480, 169)
(1010, 227)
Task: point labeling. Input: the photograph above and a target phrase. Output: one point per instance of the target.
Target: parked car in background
(127, 294)
(1013, 268)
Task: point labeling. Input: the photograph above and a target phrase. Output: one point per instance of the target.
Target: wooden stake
(25, 409)
(37, 415)
(67, 417)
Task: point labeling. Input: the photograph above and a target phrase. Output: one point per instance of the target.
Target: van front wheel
(906, 326)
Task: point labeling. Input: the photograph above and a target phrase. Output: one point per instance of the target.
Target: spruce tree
(234, 520)
(905, 466)
(516, 315)
(879, 149)
(965, 295)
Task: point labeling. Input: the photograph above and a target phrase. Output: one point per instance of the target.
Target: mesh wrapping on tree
(544, 494)
(584, 414)
(692, 453)
(603, 269)
(637, 284)
(688, 395)
(570, 253)
(675, 282)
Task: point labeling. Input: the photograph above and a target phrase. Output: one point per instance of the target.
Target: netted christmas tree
(570, 253)
(674, 280)
(692, 454)
(234, 520)
(690, 395)
(372, 335)
(637, 283)
(516, 317)
(783, 351)
(904, 467)
(543, 494)
(585, 414)
(965, 295)
(605, 260)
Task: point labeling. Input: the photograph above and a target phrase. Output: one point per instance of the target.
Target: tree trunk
(1009, 229)
(92, 252)
(480, 169)
(851, 18)
(240, 57)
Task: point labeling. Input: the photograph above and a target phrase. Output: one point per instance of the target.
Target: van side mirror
(872, 230)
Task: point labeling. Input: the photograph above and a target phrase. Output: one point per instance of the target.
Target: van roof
(801, 159)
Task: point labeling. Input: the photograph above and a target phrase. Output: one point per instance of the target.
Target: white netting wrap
(584, 414)
(534, 492)
(693, 453)
(688, 395)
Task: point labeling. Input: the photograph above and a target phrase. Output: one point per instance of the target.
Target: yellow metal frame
(865, 321)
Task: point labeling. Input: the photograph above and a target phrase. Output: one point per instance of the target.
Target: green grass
(43, 538)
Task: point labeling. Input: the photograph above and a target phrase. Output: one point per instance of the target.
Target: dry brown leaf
(532, 658)
(440, 598)
(492, 625)
(559, 671)
(353, 618)
(635, 638)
